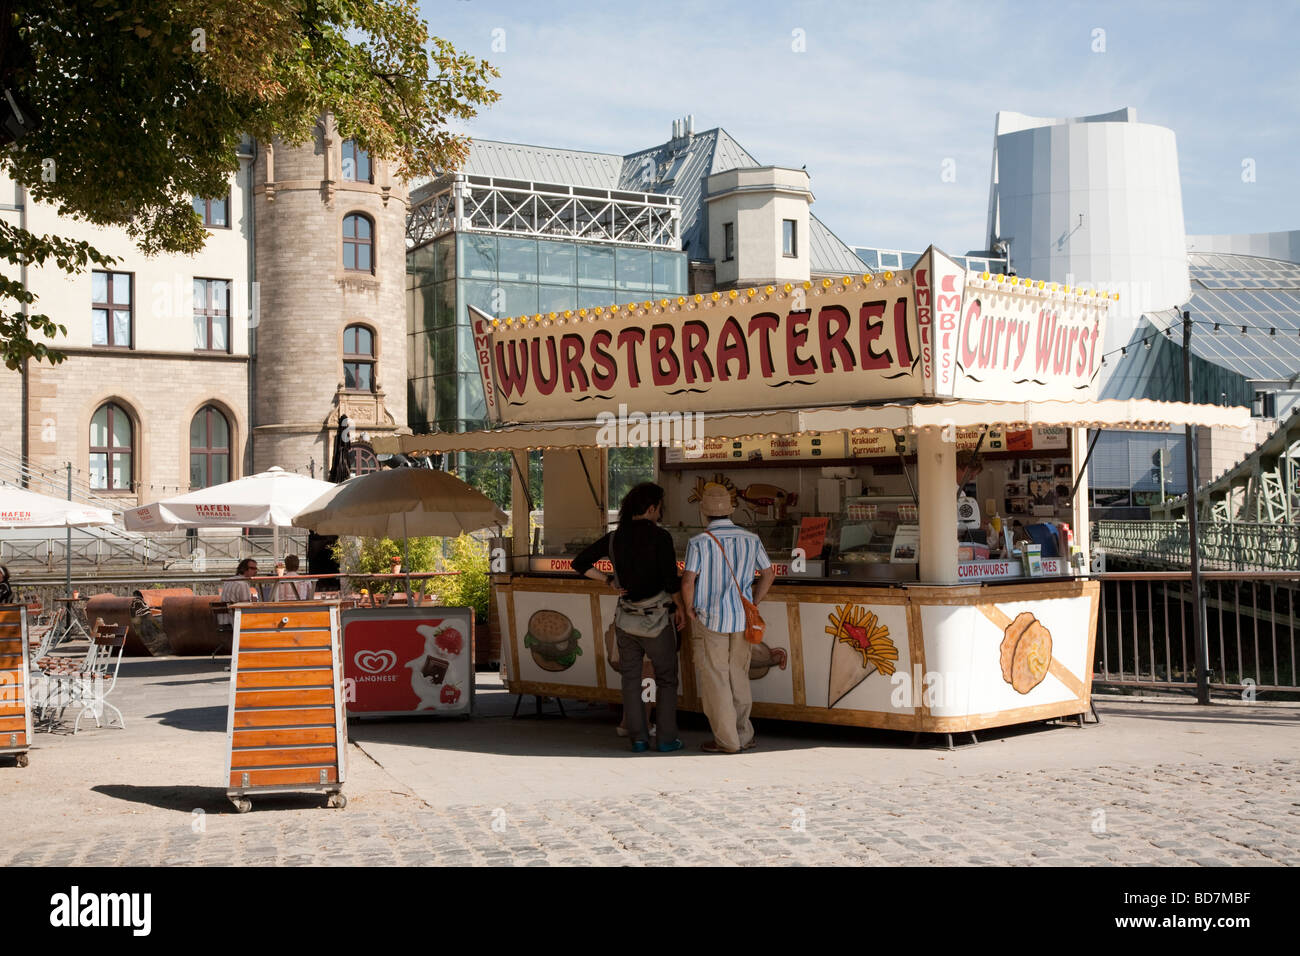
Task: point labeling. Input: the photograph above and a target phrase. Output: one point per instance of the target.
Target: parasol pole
(67, 548)
(406, 562)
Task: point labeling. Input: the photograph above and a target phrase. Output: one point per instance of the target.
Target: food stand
(910, 450)
(286, 731)
(15, 686)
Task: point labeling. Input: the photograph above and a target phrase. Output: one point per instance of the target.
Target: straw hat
(716, 501)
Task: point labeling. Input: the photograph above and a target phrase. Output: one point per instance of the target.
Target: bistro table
(67, 620)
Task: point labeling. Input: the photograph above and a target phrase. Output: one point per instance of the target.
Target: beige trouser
(723, 668)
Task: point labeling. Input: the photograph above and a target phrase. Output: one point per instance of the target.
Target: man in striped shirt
(717, 573)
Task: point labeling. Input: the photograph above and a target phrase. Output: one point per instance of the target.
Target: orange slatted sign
(15, 689)
(286, 730)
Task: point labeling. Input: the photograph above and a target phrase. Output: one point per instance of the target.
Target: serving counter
(920, 658)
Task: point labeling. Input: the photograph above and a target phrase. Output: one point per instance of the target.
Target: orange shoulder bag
(754, 623)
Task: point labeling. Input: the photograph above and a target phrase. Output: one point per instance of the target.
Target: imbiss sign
(932, 332)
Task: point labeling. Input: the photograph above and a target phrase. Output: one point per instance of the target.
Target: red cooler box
(408, 660)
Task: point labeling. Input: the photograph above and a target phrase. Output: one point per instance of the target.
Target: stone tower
(313, 284)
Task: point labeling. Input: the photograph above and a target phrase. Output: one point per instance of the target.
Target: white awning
(1131, 414)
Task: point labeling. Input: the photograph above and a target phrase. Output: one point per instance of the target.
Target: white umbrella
(268, 499)
(400, 503)
(20, 508)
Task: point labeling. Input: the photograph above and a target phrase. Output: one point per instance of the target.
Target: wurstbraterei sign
(934, 331)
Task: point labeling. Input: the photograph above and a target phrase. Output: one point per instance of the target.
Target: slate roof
(678, 167)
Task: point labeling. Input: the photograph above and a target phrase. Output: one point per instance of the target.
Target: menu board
(878, 444)
(766, 448)
(871, 444)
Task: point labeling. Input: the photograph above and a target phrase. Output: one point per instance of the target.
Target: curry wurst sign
(827, 342)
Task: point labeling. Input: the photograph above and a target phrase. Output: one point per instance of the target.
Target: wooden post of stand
(936, 487)
(287, 730)
(15, 692)
(1079, 506)
(520, 503)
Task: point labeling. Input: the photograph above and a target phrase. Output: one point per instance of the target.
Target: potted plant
(471, 588)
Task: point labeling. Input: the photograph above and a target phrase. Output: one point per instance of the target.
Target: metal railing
(170, 551)
(425, 584)
(1225, 546)
(1145, 637)
(45, 592)
(118, 542)
(53, 482)
(465, 203)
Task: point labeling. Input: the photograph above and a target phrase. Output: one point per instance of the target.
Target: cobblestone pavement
(147, 795)
(1213, 814)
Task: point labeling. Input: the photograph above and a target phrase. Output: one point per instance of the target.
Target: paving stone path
(1209, 814)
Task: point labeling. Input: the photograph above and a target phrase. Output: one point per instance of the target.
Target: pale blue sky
(883, 94)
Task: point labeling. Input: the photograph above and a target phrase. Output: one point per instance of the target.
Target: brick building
(185, 371)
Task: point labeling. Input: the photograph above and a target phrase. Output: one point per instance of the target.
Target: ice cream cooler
(15, 690)
(286, 729)
(402, 661)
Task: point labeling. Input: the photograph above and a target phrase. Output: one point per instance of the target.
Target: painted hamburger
(553, 640)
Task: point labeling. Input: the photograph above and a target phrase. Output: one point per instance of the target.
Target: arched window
(356, 163)
(110, 449)
(359, 358)
(358, 243)
(363, 460)
(209, 448)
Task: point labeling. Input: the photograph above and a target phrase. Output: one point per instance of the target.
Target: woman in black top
(646, 566)
(6, 591)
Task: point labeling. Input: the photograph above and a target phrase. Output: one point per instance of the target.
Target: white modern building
(1092, 200)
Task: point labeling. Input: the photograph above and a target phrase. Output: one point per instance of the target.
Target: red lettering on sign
(604, 372)
(968, 352)
(868, 332)
(765, 323)
(833, 343)
(796, 335)
(545, 383)
(902, 342)
(664, 366)
(572, 348)
(1043, 341)
(695, 337)
(629, 339)
(515, 378)
(732, 345)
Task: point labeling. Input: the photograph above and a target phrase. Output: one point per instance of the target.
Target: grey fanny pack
(645, 618)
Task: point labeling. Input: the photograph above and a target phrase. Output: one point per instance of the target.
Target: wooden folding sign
(287, 730)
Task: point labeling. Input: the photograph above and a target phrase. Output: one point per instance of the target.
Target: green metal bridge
(1249, 517)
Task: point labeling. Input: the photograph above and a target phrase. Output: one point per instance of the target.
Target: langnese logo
(376, 663)
(77, 909)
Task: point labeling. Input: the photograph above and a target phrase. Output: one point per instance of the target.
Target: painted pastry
(1026, 652)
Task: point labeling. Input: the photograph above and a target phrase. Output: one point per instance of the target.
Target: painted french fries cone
(847, 671)
(861, 647)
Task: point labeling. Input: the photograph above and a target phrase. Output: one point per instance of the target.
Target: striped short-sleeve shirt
(717, 604)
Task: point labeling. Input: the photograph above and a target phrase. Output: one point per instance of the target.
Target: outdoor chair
(224, 620)
(41, 633)
(99, 676)
(58, 679)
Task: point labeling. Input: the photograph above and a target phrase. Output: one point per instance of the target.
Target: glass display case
(873, 539)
